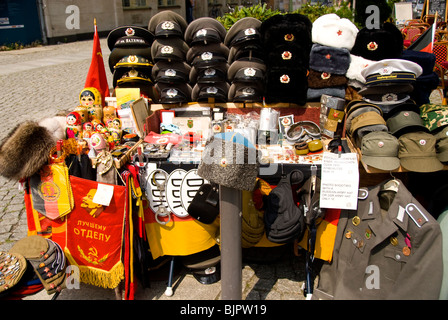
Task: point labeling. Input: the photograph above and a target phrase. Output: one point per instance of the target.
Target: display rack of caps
(333, 38)
(169, 51)
(130, 59)
(386, 124)
(208, 59)
(247, 68)
(288, 38)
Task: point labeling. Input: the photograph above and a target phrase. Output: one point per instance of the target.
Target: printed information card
(339, 181)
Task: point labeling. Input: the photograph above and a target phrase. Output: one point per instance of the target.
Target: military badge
(285, 78)
(167, 25)
(166, 50)
(286, 55)
(372, 46)
(130, 32)
(289, 37)
(212, 90)
(207, 56)
(249, 72)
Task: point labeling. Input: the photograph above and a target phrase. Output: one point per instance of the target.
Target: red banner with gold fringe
(95, 234)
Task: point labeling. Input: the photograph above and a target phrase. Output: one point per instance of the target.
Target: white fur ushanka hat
(330, 30)
(357, 64)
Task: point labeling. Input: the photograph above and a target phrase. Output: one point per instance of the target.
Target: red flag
(425, 43)
(97, 74)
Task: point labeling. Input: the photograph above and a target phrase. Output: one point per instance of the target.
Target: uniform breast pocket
(395, 260)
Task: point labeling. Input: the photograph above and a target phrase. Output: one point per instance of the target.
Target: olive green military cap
(404, 122)
(379, 149)
(417, 152)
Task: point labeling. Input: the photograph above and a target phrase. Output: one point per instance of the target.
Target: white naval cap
(391, 70)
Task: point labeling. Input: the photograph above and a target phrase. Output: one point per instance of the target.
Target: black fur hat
(378, 44)
(291, 28)
(25, 150)
(286, 85)
(287, 56)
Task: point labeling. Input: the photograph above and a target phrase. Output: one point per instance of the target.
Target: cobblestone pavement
(40, 82)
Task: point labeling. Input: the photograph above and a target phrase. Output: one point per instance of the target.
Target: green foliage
(19, 45)
(260, 12)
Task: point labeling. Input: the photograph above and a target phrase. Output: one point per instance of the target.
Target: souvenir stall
(213, 142)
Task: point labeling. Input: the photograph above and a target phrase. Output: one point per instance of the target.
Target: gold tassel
(97, 277)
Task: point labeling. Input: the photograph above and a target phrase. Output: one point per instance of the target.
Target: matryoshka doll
(73, 127)
(114, 127)
(109, 113)
(91, 98)
(87, 130)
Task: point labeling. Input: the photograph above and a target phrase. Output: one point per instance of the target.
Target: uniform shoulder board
(416, 214)
(363, 194)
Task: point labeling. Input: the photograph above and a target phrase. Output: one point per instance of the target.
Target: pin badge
(406, 251)
(372, 46)
(393, 241)
(368, 233)
(356, 220)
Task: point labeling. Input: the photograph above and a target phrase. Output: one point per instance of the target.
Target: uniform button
(397, 256)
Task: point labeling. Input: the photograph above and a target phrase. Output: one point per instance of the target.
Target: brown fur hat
(25, 150)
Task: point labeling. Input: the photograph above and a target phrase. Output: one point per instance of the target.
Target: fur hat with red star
(330, 30)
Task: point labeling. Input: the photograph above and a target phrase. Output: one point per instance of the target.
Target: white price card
(103, 194)
(339, 181)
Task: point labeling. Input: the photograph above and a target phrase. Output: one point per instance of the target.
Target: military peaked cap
(245, 29)
(165, 16)
(205, 29)
(137, 37)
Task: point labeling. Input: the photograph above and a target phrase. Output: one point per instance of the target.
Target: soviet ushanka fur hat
(229, 159)
(378, 44)
(290, 28)
(330, 30)
(286, 85)
(288, 56)
(25, 150)
(329, 59)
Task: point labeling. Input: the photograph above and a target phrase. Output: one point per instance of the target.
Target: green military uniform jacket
(384, 254)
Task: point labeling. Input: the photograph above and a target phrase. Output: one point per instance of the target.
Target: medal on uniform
(356, 220)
